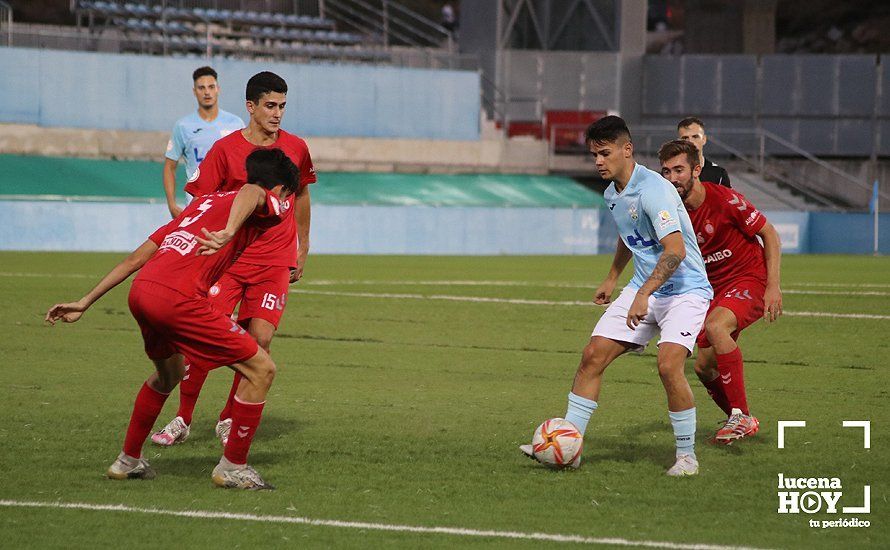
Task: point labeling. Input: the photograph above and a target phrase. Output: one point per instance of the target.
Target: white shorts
(679, 318)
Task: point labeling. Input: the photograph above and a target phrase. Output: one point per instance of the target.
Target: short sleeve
(743, 214)
(209, 175)
(307, 170)
(175, 145)
(161, 233)
(659, 202)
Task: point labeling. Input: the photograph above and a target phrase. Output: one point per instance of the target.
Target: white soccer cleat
(686, 465)
(127, 467)
(529, 452)
(177, 431)
(223, 427)
(228, 476)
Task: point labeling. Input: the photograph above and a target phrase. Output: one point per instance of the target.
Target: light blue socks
(684, 430)
(580, 409)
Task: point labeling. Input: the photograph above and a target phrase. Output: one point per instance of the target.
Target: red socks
(189, 388)
(715, 390)
(245, 420)
(149, 403)
(227, 410)
(731, 370)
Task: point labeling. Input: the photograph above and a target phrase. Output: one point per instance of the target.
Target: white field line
(456, 531)
(521, 301)
(531, 284)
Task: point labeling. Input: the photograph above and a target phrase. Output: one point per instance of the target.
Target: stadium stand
(170, 30)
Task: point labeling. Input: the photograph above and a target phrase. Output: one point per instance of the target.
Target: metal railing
(763, 153)
(388, 22)
(6, 22)
(210, 44)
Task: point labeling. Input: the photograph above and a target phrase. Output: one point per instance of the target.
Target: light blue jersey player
(668, 294)
(194, 134)
(645, 211)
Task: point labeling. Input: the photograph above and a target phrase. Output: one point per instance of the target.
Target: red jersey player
(744, 274)
(261, 276)
(168, 300)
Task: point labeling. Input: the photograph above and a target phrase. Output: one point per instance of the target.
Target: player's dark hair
(607, 130)
(270, 167)
(204, 71)
(671, 149)
(263, 83)
(689, 121)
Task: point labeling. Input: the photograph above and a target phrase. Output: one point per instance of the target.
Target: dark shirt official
(714, 174)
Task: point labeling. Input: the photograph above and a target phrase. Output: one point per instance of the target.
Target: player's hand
(772, 303)
(174, 209)
(638, 310)
(603, 294)
(296, 274)
(214, 241)
(68, 313)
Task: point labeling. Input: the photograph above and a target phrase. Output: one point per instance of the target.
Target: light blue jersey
(647, 210)
(193, 137)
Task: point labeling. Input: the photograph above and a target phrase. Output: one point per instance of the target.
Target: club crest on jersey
(195, 175)
(632, 212)
(709, 227)
(665, 219)
(214, 291)
(180, 241)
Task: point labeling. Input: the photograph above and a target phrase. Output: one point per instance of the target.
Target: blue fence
(130, 92)
(96, 226)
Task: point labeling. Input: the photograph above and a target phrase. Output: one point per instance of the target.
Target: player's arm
(249, 199)
(72, 311)
(619, 262)
(175, 150)
(170, 186)
(772, 253)
(673, 254)
(303, 214)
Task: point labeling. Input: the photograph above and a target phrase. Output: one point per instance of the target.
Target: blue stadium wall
(336, 229)
(130, 92)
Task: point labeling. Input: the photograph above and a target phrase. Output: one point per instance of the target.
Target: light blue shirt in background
(647, 210)
(193, 136)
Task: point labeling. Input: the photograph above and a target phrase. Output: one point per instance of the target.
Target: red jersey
(176, 263)
(725, 226)
(224, 168)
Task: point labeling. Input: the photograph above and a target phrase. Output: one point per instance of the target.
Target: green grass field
(398, 404)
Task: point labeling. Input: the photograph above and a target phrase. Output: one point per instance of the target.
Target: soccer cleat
(177, 431)
(737, 426)
(686, 465)
(529, 452)
(223, 427)
(239, 478)
(127, 467)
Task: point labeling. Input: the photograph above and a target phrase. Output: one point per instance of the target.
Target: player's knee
(593, 362)
(715, 329)
(669, 368)
(266, 370)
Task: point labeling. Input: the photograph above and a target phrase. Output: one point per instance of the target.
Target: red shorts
(262, 291)
(744, 297)
(172, 322)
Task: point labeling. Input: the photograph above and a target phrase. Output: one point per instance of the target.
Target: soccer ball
(557, 443)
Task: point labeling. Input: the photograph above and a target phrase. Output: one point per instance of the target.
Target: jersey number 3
(203, 207)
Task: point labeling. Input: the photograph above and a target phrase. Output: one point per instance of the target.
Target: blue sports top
(193, 136)
(647, 210)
